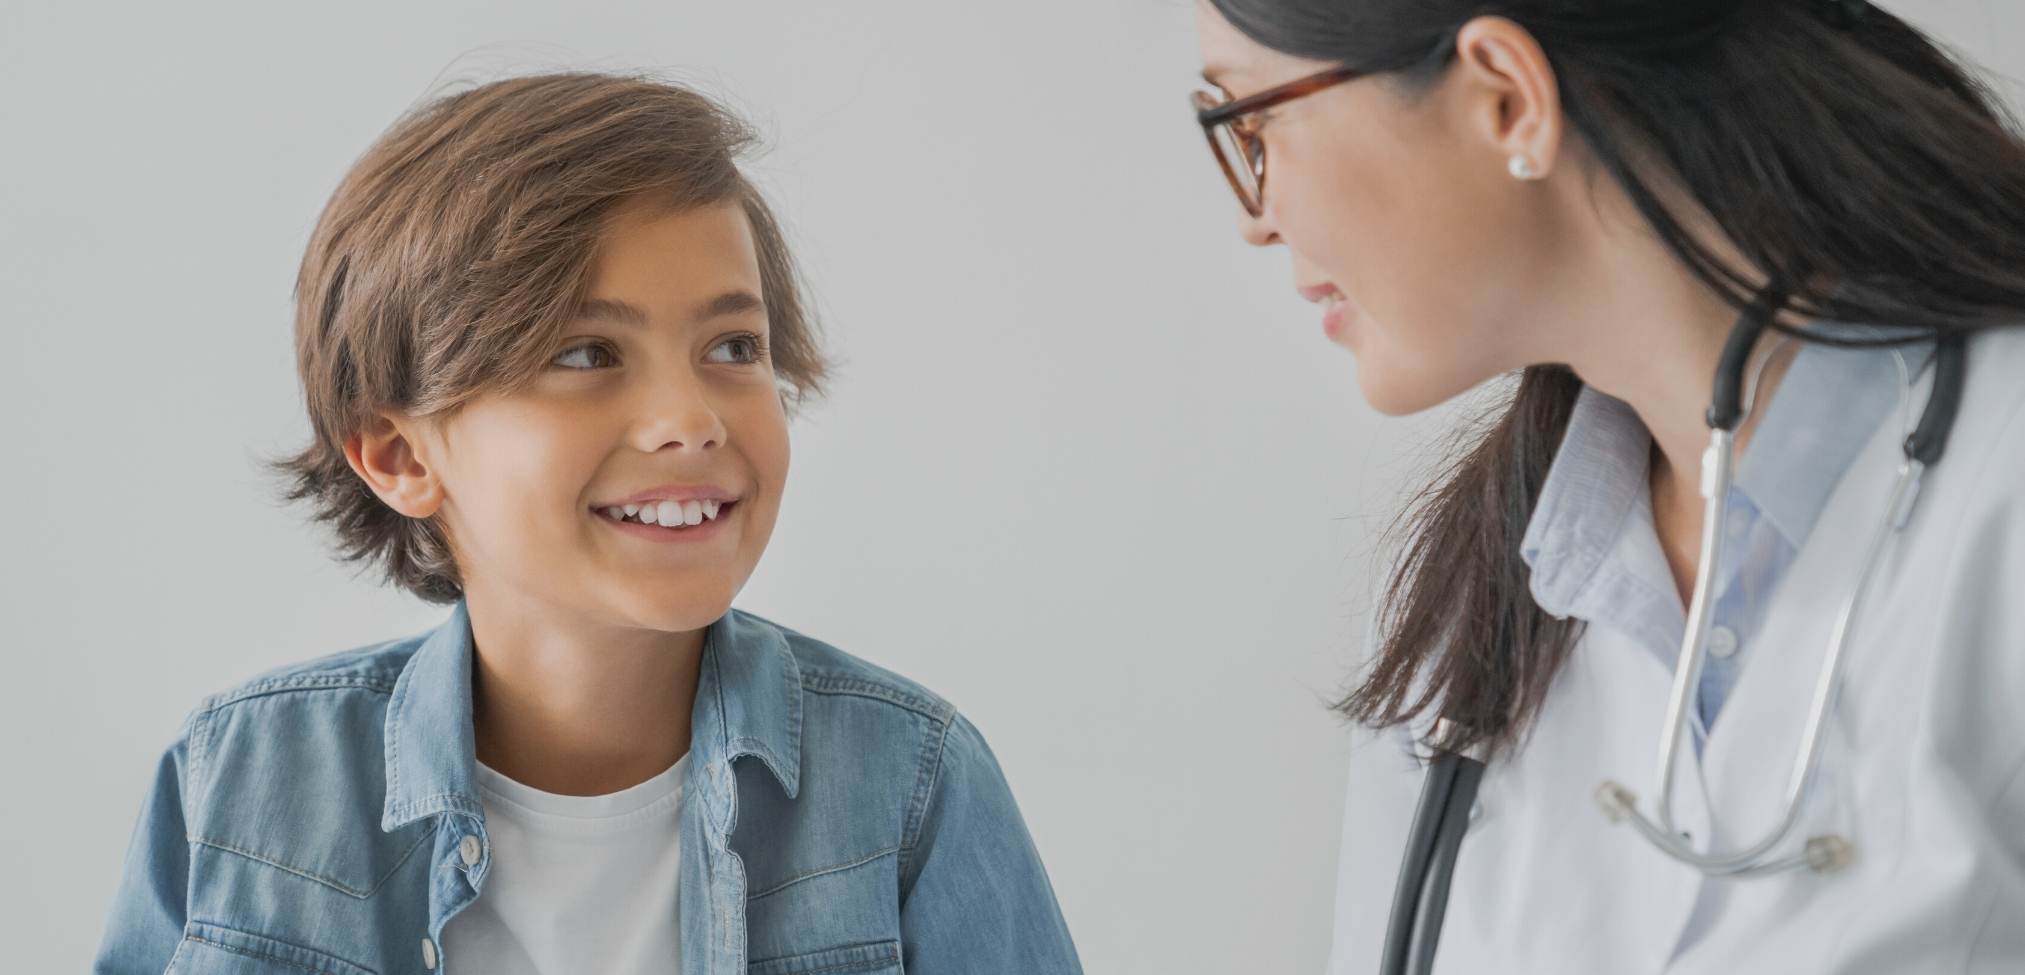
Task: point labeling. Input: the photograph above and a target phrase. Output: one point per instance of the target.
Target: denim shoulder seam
(301, 682)
(934, 747)
(835, 683)
(196, 745)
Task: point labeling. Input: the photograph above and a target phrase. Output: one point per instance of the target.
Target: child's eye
(589, 355)
(743, 350)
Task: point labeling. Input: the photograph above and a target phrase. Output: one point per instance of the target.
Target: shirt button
(469, 851)
(1722, 642)
(428, 954)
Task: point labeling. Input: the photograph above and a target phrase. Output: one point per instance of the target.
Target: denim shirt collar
(431, 753)
(748, 702)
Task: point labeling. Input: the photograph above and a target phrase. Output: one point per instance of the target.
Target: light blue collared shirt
(1594, 550)
(835, 818)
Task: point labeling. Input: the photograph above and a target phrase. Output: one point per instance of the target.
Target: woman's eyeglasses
(1233, 135)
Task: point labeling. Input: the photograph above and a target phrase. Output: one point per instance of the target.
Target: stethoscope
(1449, 789)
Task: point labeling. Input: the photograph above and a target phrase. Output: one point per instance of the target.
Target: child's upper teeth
(667, 514)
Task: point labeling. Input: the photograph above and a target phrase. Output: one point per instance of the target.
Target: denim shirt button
(469, 851)
(428, 954)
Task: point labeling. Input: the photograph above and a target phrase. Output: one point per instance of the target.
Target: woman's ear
(384, 454)
(1511, 99)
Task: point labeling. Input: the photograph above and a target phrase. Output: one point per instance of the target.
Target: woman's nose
(1257, 231)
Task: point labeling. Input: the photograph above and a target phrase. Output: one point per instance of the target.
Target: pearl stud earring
(1521, 167)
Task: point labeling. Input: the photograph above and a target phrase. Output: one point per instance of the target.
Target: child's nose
(681, 419)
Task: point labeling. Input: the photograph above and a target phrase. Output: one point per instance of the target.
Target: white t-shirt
(577, 883)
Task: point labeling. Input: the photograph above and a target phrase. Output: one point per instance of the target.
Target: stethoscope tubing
(1441, 819)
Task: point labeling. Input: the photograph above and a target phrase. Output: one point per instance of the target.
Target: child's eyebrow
(736, 302)
(616, 312)
(611, 310)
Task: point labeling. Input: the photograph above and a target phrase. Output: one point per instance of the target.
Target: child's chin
(673, 611)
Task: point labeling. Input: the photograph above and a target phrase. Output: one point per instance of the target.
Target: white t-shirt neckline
(553, 812)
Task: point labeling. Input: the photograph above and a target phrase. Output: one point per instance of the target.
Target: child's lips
(673, 492)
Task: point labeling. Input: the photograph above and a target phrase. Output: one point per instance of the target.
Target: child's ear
(384, 455)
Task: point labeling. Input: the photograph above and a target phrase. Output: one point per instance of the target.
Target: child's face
(659, 400)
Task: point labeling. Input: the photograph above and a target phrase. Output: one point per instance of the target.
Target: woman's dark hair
(1835, 146)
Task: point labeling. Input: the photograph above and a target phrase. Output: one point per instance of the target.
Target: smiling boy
(548, 335)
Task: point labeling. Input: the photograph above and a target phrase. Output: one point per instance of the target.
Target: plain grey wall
(1089, 469)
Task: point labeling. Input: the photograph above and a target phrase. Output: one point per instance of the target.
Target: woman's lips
(1336, 308)
(1335, 315)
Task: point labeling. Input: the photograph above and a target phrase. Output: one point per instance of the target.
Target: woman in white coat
(1598, 196)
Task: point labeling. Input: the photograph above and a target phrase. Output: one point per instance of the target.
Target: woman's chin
(1385, 392)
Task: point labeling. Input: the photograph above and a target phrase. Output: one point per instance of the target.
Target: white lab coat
(1923, 768)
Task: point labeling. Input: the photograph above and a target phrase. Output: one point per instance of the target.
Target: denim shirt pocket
(875, 957)
(213, 949)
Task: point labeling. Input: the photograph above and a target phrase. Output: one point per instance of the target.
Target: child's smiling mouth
(670, 512)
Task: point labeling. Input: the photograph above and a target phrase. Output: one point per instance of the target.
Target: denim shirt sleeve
(975, 897)
(147, 917)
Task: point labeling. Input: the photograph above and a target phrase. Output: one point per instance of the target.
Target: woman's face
(1401, 217)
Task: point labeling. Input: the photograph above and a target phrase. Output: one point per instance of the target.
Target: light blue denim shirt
(837, 819)
(1594, 550)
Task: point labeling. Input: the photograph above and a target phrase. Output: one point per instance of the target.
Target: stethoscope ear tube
(1420, 898)
(1726, 404)
(1951, 367)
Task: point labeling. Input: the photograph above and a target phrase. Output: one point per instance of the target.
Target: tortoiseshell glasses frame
(1235, 141)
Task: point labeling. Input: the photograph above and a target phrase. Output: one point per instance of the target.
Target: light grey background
(1089, 469)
